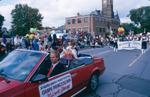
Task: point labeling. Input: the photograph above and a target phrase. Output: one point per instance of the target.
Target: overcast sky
(55, 11)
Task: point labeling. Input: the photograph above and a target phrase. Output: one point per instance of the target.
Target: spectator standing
(115, 44)
(4, 40)
(35, 44)
(16, 41)
(144, 44)
(54, 42)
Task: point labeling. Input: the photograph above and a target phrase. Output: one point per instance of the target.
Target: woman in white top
(70, 51)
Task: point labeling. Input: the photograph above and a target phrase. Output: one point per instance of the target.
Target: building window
(73, 21)
(97, 30)
(85, 19)
(79, 20)
(103, 30)
(100, 29)
(85, 29)
(68, 21)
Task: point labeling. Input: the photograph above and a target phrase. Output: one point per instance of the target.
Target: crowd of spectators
(48, 42)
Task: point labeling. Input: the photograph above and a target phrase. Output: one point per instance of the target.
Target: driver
(57, 67)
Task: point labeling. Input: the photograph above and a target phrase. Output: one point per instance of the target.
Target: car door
(55, 85)
(80, 70)
(64, 84)
(79, 74)
(52, 87)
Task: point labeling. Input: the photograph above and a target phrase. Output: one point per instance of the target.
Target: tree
(1, 21)
(24, 18)
(131, 27)
(141, 17)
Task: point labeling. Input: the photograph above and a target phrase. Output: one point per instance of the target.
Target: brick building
(97, 22)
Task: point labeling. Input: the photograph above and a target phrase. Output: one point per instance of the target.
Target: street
(126, 75)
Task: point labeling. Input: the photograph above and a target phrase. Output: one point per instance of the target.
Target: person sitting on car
(69, 52)
(57, 67)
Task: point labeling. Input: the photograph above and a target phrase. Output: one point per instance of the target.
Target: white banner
(129, 45)
(56, 87)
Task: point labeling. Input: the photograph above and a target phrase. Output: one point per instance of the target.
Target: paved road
(127, 73)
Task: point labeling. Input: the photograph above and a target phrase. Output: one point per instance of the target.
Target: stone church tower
(107, 8)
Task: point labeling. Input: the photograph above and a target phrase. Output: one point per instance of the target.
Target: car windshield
(18, 64)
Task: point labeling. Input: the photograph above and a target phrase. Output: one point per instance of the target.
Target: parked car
(23, 73)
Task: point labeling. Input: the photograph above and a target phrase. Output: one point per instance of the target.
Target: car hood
(7, 86)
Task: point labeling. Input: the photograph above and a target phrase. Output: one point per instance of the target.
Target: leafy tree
(131, 27)
(128, 27)
(24, 18)
(1, 21)
(141, 17)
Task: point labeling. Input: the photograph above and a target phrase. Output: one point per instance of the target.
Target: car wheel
(94, 82)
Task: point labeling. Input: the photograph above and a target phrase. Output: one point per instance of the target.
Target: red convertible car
(23, 73)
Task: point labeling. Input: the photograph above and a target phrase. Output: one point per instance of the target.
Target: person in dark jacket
(57, 67)
(54, 44)
(35, 44)
(144, 44)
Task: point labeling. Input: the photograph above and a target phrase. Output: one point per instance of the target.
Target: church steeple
(107, 8)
